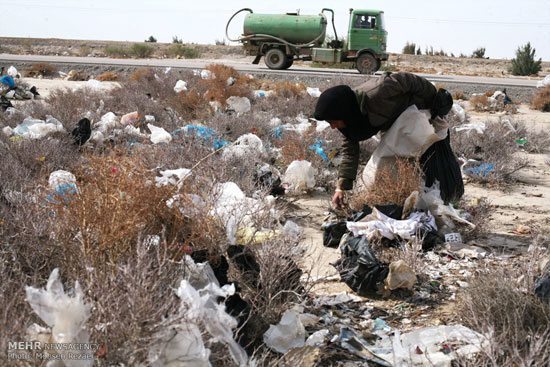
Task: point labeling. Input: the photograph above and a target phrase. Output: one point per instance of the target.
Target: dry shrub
(217, 89)
(143, 74)
(392, 184)
(541, 101)
(459, 94)
(289, 89)
(108, 76)
(69, 106)
(479, 102)
(190, 105)
(479, 212)
(485, 102)
(42, 68)
(116, 203)
(295, 146)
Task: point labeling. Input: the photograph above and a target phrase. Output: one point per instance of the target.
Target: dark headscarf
(340, 103)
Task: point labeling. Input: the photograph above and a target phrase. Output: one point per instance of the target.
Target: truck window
(365, 21)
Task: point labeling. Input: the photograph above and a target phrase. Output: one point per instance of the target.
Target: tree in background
(151, 39)
(479, 53)
(175, 39)
(524, 63)
(409, 48)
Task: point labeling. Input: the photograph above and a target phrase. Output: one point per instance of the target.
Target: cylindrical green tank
(297, 29)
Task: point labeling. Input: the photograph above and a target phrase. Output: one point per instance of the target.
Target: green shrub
(479, 53)
(141, 50)
(409, 48)
(116, 51)
(524, 63)
(175, 39)
(183, 51)
(418, 51)
(151, 39)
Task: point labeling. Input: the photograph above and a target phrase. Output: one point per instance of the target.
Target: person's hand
(338, 198)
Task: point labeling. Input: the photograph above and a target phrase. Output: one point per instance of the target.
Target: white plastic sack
(300, 175)
(248, 144)
(66, 315)
(321, 126)
(477, 126)
(97, 137)
(180, 86)
(238, 104)
(159, 135)
(287, 334)
(541, 83)
(409, 136)
(107, 122)
(60, 177)
(314, 92)
(12, 71)
(207, 74)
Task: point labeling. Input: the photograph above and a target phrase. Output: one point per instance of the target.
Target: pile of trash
(493, 101)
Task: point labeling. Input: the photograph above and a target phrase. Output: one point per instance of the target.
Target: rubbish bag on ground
(159, 135)
(314, 92)
(300, 175)
(439, 164)
(5, 103)
(82, 132)
(12, 71)
(238, 104)
(66, 315)
(180, 86)
(7, 81)
(247, 144)
(431, 200)
(36, 129)
(130, 118)
(409, 136)
(359, 268)
(542, 288)
(400, 276)
(269, 177)
(333, 232)
(287, 334)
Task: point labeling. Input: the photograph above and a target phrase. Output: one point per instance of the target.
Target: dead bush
(285, 107)
(107, 76)
(218, 88)
(459, 94)
(392, 185)
(40, 69)
(487, 103)
(116, 202)
(295, 146)
(541, 100)
(69, 106)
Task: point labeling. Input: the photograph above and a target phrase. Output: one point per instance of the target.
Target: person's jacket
(382, 100)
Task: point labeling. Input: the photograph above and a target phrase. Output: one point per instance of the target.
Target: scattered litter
(317, 338)
(337, 299)
(172, 176)
(314, 92)
(159, 135)
(230, 81)
(454, 237)
(300, 175)
(37, 129)
(206, 134)
(287, 334)
(522, 142)
(207, 74)
(180, 86)
(542, 288)
(321, 126)
(523, 229)
(291, 229)
(60, 177)
(238, 104)
(401, 275)
(7, 81)
(356, 344)
(477, 126)
(317, 147)
(107, 122)
(66, 316)
(130, 118)
(461, 250)
(431, 200)
(12, 71)
(482, 170)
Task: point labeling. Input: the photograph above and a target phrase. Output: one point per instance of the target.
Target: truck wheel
(367, 64)
(275, 59)
(289, 63)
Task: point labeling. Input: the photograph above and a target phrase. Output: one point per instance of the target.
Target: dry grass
(40, 69)
(218, 89)
(392, 185)
(108, 76)
(541, 101)
(459, 95)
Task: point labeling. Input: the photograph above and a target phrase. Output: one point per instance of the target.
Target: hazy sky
(454, 26)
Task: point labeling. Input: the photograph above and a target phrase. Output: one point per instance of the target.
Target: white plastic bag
(314, 92)
(409, 136)
(180, 86)
(238, 104)
(300, 175)
(287, 334)
(60, 177)
(245, 144)
(159, 135)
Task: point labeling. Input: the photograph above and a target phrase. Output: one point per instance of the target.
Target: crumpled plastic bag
(287, 334)
(60, 177)
(300, 175)
(430, 200)
(401, 275)
(238, 104)
(409, 136)
(172, 176)
(32, 128)
(245, 144)
(181, 86)
(159, 135)
(314, 92)
(107, 122)
(66, 315)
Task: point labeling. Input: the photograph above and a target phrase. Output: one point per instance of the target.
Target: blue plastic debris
(63, 194)
(481, 170)
(206, 134)
(278, 132)
(319, 149)
(7, 80)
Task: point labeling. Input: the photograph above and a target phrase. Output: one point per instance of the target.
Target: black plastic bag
(359, 268)
(542, 288)
(439, 163)
(333, 234)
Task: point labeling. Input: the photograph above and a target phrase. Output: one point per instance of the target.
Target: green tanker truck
(283, 38)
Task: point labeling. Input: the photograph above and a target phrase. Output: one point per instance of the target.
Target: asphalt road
(245, 66)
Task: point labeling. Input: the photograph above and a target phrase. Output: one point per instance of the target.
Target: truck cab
(367, 39)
